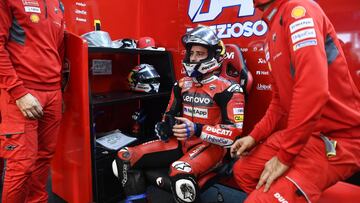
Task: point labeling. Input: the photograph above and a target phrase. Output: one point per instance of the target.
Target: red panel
(71, 168)
(345, 17)
(120, 18)
(166, 21)
(341, 192)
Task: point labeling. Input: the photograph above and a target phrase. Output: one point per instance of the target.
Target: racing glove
(163, 129)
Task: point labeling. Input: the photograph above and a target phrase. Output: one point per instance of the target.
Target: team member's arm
(306, 40)
(8, 77)
(9, 80)
(304, 30)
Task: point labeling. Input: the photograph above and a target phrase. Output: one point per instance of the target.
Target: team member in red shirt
(209, 113)
(31, 43)
(309, 137)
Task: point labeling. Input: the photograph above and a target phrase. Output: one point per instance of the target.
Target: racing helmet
(144, 78)
(206, 37)
(97, 38)
(259, 3)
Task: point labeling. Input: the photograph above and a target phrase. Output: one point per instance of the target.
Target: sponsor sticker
(195, 112)
(30, 3)
(220, 131)
(181, 166)
(303, 34)
(298, 12)
(34, 18)
(264, 87)
(300, 24)
(306, 43)
(261, 61)
(215, 140)
(280, 198)
(238, 118)
(197, 151)
(238, 110)
(10, 147)
(277, 56)
(239, 125)
(197, 100)
(188, 84)
(31, 9)
(160, 181)
(262, 72)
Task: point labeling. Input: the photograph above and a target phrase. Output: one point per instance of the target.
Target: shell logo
(298, 12)
(34, 18)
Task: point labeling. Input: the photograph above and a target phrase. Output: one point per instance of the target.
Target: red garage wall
(236, 22)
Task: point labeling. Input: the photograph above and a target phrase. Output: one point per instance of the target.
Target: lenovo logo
(197, 100)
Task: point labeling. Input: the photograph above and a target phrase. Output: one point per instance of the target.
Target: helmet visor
(148, 74)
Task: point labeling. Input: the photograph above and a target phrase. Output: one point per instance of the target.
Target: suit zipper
(193, 106)
(45, 7)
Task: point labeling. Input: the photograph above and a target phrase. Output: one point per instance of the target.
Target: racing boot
(132, 181)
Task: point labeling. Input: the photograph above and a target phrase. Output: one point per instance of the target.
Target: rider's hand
(163, 131)
(184, 129)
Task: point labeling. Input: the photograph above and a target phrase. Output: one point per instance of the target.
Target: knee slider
(185, 188)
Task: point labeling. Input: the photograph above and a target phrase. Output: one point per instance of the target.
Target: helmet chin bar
(199, 69)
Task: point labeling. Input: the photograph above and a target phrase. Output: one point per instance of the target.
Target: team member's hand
(241, 145)
(273, 170)
(184, 130)
(30, 106)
